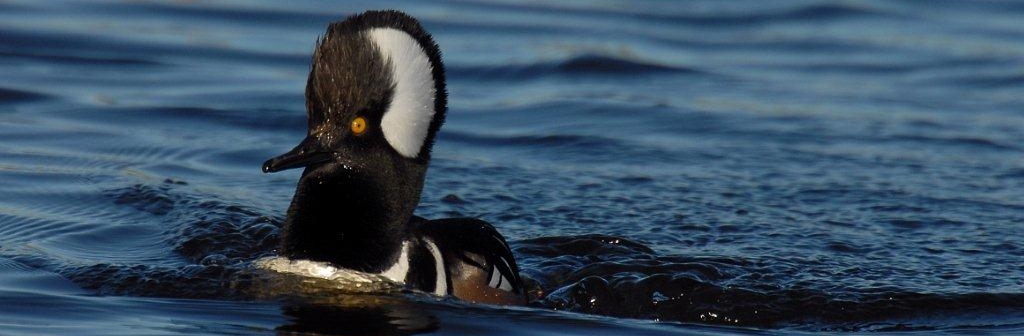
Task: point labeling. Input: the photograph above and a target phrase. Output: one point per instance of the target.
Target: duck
(375, 101)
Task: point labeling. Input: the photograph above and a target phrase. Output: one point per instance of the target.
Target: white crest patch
(407, 120)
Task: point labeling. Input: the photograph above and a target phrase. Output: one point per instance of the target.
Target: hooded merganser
(375, 100)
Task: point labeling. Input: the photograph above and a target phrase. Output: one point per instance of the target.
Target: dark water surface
(697, 167)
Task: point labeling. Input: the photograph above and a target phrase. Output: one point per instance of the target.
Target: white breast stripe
(400, 269)
(407, 120)
(441, 283)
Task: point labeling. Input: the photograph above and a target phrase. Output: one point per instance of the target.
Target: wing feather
(461, 237)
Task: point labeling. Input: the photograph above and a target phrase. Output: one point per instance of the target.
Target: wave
(674, 15)
(19, 96)
(965, 141)
(545, 141)
(615, 276)
(580, 65)
(217, 247)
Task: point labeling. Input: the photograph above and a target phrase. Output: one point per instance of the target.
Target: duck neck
(352, 223)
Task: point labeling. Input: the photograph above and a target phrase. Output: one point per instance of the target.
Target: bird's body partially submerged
(376, 99)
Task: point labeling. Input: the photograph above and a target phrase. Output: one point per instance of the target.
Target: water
(696, 167)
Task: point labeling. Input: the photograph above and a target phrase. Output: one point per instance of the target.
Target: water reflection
(358, 315)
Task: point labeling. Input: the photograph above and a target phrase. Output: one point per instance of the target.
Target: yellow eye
(358, 125)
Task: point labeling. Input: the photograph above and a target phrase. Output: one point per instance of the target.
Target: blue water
(659, 167)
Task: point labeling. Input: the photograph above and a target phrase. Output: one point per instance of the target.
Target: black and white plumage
(375, 101)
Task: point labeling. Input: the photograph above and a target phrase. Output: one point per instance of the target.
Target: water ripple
(803, 166)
